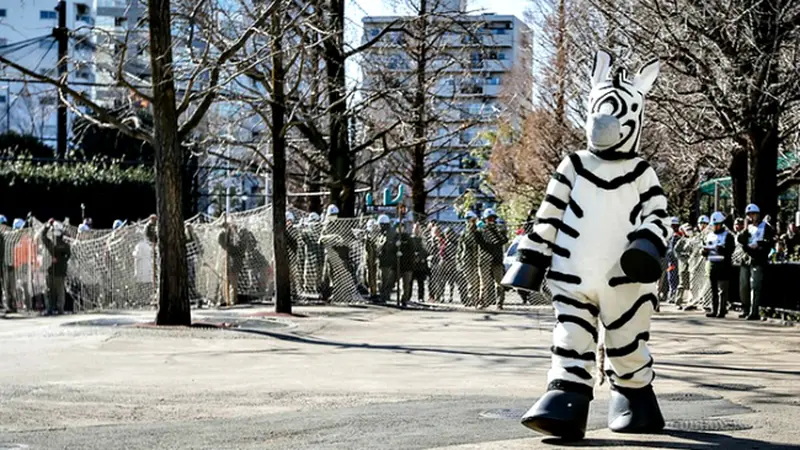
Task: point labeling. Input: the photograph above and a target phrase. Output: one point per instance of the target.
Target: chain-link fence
(231, 261)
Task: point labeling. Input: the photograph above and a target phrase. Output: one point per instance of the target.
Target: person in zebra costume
(602, 230)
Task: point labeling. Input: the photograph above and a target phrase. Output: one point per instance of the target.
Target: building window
(2, 98)
(3, 42)
(501, 56)
(374, 32)
(47, 100)
(48, 15)
(3, 12)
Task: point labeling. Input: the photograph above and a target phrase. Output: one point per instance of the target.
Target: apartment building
(26, 37)
(469, 97)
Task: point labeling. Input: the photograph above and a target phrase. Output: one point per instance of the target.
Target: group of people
(17, 257)
(748, 245)
(342, 261)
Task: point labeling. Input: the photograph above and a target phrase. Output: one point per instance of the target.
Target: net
(344, 261)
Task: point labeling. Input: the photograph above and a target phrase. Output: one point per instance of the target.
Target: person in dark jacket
(406, 251)
(7, 279)
(719, 248)
(59, 252)
(490, 263)
(421, 270)
(756, 240)
(295, 253)
(387, 256)
(468, 259)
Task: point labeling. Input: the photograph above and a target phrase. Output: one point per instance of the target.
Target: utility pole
(62, 36)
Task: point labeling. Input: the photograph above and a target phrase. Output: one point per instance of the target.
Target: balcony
(497, 40)
(87, 19)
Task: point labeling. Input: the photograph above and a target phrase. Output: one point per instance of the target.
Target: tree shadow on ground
(385, 347)
(701, 441)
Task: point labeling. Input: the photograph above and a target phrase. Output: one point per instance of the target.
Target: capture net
(343, 261)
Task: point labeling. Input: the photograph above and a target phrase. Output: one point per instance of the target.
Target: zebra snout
(604, 131)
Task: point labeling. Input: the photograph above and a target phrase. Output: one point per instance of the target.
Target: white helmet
(489, 212)
(717, 218)
(752, 208)
(19, 224)
(289, 216)
(118, 224)
(702, 219)
(676, 221)
(313, 217)
(470, 215)
(383, 219)
(82, 227)
(3, 219)
(333, 210)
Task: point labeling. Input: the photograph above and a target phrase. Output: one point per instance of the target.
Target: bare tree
(731, 79)
(187, 74)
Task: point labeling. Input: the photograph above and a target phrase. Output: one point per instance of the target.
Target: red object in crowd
(520, 232)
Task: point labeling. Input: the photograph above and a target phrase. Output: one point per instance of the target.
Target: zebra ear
(647, 76)
(601, 67)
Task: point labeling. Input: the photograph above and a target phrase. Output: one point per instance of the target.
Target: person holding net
(59, 252)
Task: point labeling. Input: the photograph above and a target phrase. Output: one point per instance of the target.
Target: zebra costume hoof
(641, 261)
(525, 277)
(634, 411)
(560, 414)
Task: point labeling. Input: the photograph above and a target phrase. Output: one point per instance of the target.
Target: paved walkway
(371, 378)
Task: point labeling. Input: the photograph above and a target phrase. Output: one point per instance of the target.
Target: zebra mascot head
(616, 108)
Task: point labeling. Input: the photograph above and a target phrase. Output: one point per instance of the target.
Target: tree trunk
(739, 174)
(419, 195)
(342, 182)
(283, 291)
(763, 185)
(173, 290)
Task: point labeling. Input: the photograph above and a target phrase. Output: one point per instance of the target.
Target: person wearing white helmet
(387, 248)
(294, 248)
(683, 250)
(756, 240)
(314, 256)
(673, 265)
(370, 239)
(60, 253)
(494, 237)
(339, 274)
(332, 212)
(719, 247)
(468, 258)
(702, 223)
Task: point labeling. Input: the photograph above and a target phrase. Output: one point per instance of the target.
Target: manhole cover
(687, 397)
(708, 425)
(112, 322)
(734, 387)
(705, 352)
(504, 413)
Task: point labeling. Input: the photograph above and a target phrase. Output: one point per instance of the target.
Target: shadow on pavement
(702, 441)
(394, 348)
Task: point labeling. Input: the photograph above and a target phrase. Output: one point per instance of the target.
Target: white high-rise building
(26, 37)
(496, 52)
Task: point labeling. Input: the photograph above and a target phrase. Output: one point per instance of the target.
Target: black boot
(561, 414)
(634, 411)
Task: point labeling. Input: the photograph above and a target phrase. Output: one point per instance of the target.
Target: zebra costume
(604, 210)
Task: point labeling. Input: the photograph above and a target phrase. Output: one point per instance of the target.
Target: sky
(357, 9)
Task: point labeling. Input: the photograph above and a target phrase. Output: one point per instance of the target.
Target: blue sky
(357, 9)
